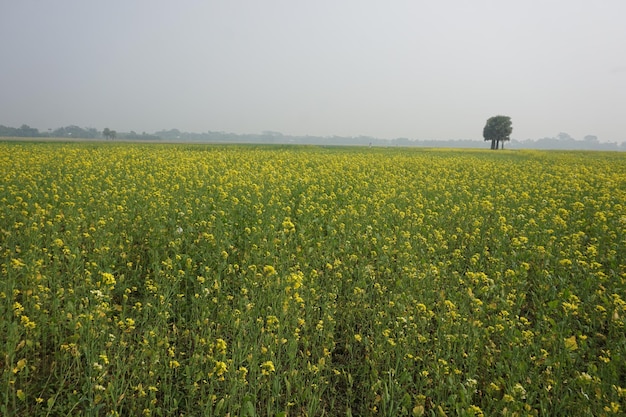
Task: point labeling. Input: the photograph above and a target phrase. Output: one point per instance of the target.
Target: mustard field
(199, 280)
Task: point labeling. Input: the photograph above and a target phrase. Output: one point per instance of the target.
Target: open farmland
(165, 280)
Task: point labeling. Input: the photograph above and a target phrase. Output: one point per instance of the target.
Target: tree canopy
(108, 133)
(498, 129)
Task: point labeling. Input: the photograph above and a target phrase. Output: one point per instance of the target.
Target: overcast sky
(387, 68)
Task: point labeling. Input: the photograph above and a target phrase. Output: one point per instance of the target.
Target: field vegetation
(196, 280)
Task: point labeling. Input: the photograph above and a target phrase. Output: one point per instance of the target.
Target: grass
(190, 280)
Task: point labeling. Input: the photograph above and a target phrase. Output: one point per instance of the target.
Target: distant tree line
(75, 132)
(565, 142)
(72, 131)
(561, 141)
(24, 131)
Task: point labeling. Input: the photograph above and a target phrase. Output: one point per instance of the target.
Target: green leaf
(248, 409)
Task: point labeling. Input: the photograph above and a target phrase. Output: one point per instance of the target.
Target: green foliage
(75, 132)
(165, 280)
(108, 133)
(23, 131)
(498, 129)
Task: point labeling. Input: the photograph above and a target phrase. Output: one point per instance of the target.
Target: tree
(108, 133)
(26, 131)
(74, 131)
(498, 129)
(565, 137)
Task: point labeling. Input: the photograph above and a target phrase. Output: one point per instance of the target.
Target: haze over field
(412, 69)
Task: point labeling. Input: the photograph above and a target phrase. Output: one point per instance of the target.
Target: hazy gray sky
(387, 68)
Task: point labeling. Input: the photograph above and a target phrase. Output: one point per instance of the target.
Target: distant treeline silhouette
(561, 141)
